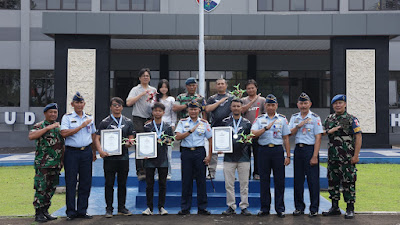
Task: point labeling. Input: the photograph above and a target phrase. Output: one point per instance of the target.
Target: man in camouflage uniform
(344, 146)
(48, 161)
(183, 100)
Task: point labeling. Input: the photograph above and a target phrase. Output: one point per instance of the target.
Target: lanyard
(157, 130)
(116, 121)
(236, 126)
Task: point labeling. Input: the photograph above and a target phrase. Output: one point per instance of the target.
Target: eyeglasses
(116, 105)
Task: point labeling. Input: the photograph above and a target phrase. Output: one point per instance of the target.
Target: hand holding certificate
(222, 140)
(146, 145)
(111, 141)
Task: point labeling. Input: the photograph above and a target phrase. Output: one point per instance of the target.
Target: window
(264, 5)
(130, 5)
(394, 89)
(374, 5)
(298, 5)
(10, 4)
(41, 87)
(80, 5)
(288, 85)
(330, 5)
(10, 87)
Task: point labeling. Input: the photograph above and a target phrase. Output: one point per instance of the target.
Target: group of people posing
(73, 145)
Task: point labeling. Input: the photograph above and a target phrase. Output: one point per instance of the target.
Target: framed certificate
(111, 141)
(222, 140)
(146, 145)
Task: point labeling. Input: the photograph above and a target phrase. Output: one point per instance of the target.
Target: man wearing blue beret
(344, 146)
(48, 161)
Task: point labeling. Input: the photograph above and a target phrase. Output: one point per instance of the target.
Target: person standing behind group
(164, 96)
(253, 106)
(138, 98)
(183, 100)
(78, 130)
(117, 164)
(273, 131)
(48, 161)
(219, 107)
(307, 127)
(160, 163)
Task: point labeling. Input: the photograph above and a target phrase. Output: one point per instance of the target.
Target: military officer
(182, 101)
(273, 131)
(344, 146)
(78, 130)
(48, 161)
(307, 128)
(192, 131)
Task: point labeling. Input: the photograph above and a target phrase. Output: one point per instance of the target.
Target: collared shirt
(273, 135)
(141, 106)
(84, 135)
(184, 98)
(162, 150)
(49, 147)
(222, 111)
(196, 138)
(240, 150)
(126, 128)
(306, 133)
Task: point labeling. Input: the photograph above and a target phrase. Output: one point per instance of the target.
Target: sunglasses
(116, 105)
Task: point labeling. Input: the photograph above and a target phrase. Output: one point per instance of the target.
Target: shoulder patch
(296, 114)
(203, 120)
(282, 115)
(69, 113)
(88, 114)
(314, 114)
(260, 116)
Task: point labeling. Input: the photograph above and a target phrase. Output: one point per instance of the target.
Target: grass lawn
(16, 185)
(377, 188)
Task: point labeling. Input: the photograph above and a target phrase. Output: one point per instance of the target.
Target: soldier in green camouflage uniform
(182, 101)
(344, 146)
(48, 161)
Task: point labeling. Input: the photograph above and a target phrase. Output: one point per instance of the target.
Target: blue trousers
(78, 162)
(271, 159)
(193, 168)
(302, 168)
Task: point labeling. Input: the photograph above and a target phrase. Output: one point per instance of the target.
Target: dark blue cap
(78, 97)
(338, 97)
(50, 106)
(304, 97)
(271, 99)
(191, 80)
(194, 104)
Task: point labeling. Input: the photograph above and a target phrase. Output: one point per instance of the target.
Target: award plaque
(146, 145)
(222, 139)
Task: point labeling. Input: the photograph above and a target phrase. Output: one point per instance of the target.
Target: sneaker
(147, 212)
(156, 177)
(169, 177)
(280, 214)
(262, 213)
(245, 212)
(209, 177)
(109, 213)
(312, 214)
(184, 212)
(256, 177)
(298, 212)
(141, 177)
(162, 211)
(203, 212)
(229, 211)
(124, 212)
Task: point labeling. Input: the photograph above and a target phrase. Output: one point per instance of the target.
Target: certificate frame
(217, 144)
(106, 135)
(146, 141)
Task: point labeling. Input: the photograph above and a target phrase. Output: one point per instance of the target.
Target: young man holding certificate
(239, 160)
(114, 163)
(164, 134)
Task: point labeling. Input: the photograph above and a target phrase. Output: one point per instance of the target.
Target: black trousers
(138, 124)
(162, 186)
(254, 148)
(111, 169)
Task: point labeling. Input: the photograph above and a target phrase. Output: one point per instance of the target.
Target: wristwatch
(190, 131)
(265, 128)
(288, 157)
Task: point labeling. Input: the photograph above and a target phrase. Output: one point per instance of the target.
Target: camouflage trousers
(45, 183)
(345, 174)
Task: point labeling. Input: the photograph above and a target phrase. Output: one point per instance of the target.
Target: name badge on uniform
(275, 135)
(89, 128)
(304, 130)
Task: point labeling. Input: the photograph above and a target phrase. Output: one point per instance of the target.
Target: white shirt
(169, 116)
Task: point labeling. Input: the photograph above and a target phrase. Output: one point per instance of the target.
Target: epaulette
(69, 113)
(296, 114)
(88, 114)
(184, 119)
(260, 116)
(314, 114)
(203, 120)
(282, 115)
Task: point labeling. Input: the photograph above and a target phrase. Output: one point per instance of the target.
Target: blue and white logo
(210, 5)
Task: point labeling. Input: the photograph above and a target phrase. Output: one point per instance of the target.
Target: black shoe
(245, 212)
(124, 212)
(39, 216)
(204, 212)
(298, 212)
(47, 214)
(229, 211)
(109, 213)
(262, 213)
(184, 212)
(69, 218)
(349, 214)
(280, 214)
(84, 216)
(312, 214)
(332, 212)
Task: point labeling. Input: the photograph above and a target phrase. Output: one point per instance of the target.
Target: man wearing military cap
(273, 131)
(183, 100)
(307, 128)
(192, 131)
(48, 161)
(345, 139)
(79, 132)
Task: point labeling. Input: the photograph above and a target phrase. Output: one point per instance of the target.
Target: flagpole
(202, 86)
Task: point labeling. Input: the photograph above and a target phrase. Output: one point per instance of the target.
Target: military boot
(47, 214)
(334, 210)
(349, 211)
(39, 217)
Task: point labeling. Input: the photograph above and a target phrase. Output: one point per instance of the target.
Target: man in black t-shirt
(116, 164)
(239, 160)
